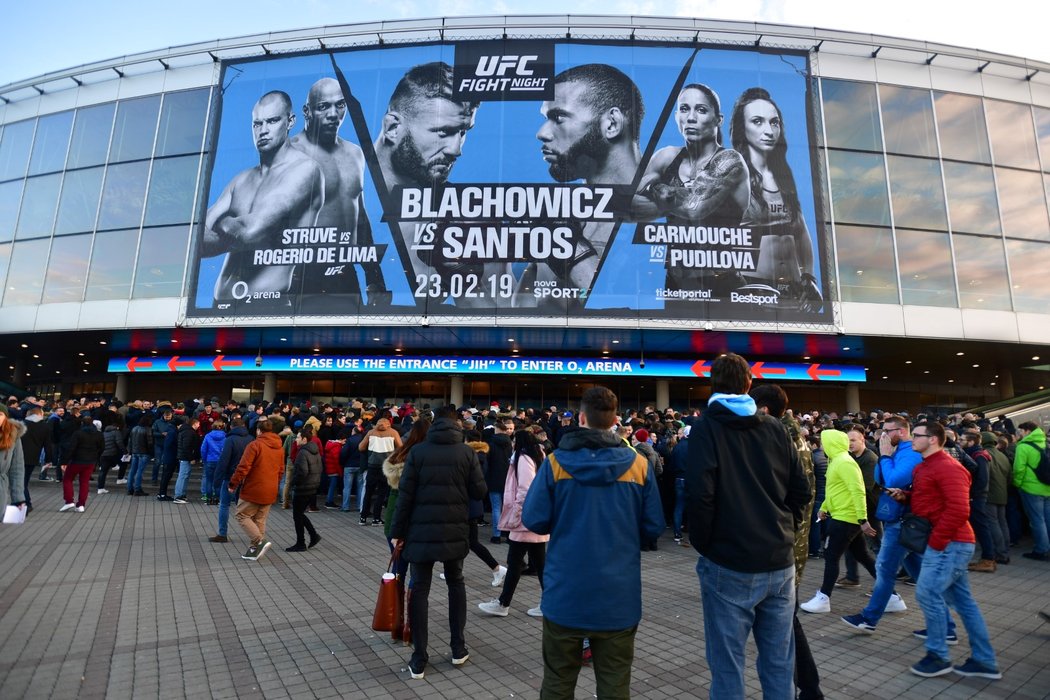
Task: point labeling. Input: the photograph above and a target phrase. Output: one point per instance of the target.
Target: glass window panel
(123, 195)
(867, 271)
(50, 143)
(5, 256)
(858, 188)
(960, 122)
(917, 192)
(907, 120)
(182, 122)
(851, 115)
(1023, 204)
(135, 128)
(171, 189)
(1013, 134)
(90, 141)
(162, 262)
(1029, 263)
(25, 277)
(10, 198)
(15, 143)
(981, 268)
(67, 269)
(925, 260)
(79, 203)
(112, 263)
(972, 206)
(1042, 127)
(38, 206)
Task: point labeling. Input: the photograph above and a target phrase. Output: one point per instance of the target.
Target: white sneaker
(534, 612)
(80, 509)
(896, 604)
(498, 575)
(819, 603)
(101, 491)
(68, 506)
(122, 481)
(494, 608)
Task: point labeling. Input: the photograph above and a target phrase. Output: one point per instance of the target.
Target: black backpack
(1042, 470)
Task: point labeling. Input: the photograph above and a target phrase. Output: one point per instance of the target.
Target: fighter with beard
(343, 166)
(590, 133)
(422, 137)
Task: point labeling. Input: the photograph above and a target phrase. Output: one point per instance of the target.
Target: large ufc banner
(514, 178)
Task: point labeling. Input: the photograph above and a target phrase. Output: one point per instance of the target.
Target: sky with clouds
(56, 34)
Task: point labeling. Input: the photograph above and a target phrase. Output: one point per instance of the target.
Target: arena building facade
(402, 209)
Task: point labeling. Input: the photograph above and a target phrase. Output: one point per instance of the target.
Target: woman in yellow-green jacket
(845, 509)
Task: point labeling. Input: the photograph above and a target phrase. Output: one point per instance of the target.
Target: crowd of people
(758, 489)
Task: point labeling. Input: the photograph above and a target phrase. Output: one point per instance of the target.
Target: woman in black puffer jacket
(306, 478)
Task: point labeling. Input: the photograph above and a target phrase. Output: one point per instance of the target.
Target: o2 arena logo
(503, 71)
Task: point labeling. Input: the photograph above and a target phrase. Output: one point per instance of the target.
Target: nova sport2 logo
(503, 71)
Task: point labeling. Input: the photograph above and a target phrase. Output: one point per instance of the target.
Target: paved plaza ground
(130, 600)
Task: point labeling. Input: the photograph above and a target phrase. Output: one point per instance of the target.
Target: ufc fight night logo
(503, 70)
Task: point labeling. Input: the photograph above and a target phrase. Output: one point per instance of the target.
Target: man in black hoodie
(441, 475)
(745, 490)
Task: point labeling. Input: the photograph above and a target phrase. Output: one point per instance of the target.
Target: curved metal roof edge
(510, 23)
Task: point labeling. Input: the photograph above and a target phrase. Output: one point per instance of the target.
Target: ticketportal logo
(522, 70)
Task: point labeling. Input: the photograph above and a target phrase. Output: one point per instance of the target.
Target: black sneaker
(1037, 556)
(162, 497)
(417, 672)
(377, 521)
(296, 548)
(952, 638)
(181, 500)
(495, 540)
(932, 666)
(362, 521)
(976, 669)
(314, 541)
(252, 554)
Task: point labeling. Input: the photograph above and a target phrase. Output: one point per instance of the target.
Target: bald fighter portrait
(285, 190)
(342, 163)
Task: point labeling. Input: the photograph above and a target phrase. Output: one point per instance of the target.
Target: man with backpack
(1032, 479)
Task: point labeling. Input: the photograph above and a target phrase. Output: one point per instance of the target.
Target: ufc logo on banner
(509, 70)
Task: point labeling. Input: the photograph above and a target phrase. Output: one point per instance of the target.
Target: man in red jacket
(257, 476)
(941, 494)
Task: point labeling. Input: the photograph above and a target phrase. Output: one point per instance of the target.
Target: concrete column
(269, 386)
(852, 398)
(122, 388)
(663, 394)
(455, 390)
(1005, 384)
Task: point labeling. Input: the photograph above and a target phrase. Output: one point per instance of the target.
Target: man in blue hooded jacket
(592, 587)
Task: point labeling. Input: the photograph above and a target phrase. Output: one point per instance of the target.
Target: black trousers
(807, 679)
(419, 607)
(537, 552)
(843, 535)
(481, 550)
(299, 505)
(106, 463)
(376, 491)
(165, 477)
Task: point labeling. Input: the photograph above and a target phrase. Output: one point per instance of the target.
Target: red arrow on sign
(701, 368)
(174, 364)
(816, 374)
(133, 364)
(759, 371)
(218, 363)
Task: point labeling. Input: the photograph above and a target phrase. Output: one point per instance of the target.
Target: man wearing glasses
(941, 494)
(897, 461)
